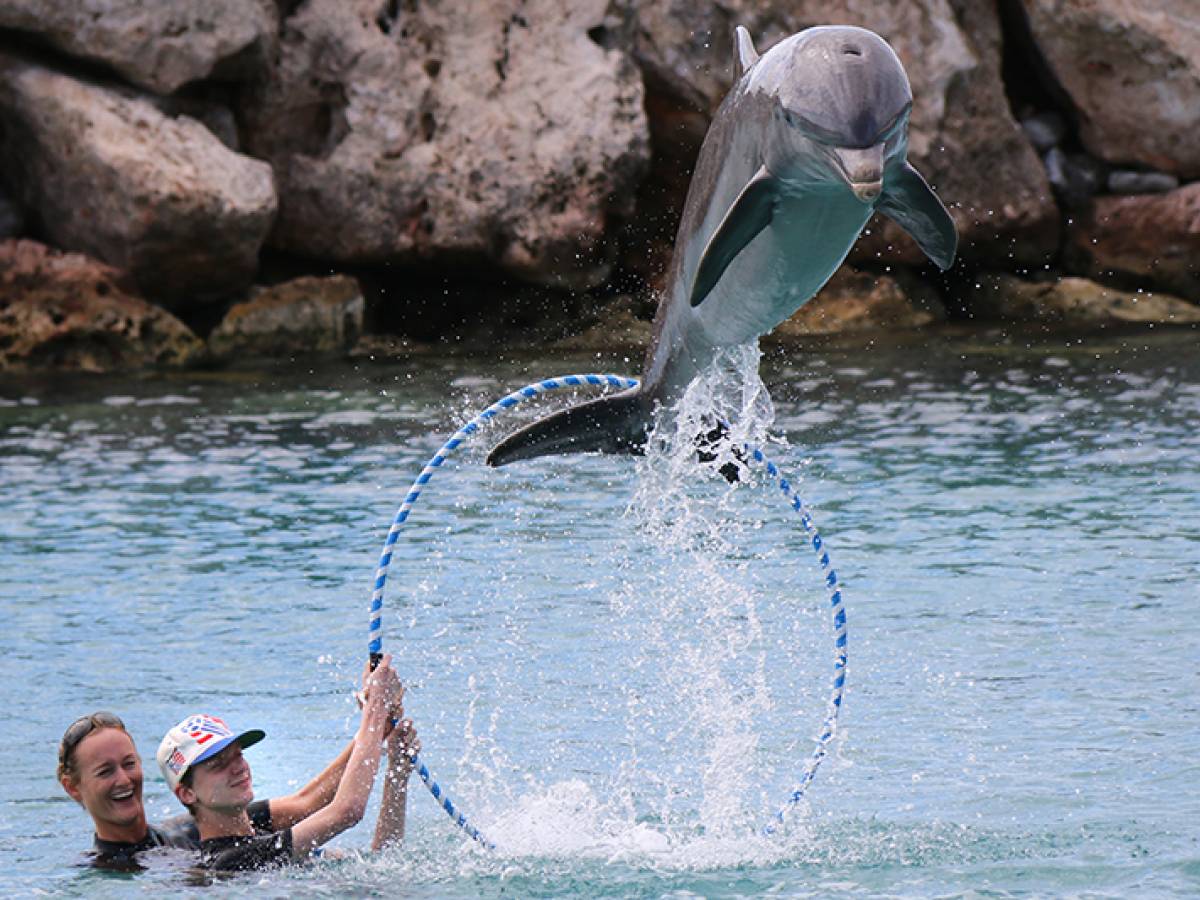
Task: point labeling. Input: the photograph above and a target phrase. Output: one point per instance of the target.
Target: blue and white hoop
(751, 455)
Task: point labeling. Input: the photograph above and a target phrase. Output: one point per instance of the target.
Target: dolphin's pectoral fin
(616, 424)
(750, 214)
(744, 55)
(908, 201)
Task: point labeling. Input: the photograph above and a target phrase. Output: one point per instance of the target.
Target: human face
(106, 777)
(222, 782)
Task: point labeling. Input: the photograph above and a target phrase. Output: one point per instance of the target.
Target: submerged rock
(68, 312)
(307, 316)
(159, 45)
(458, 131)
(1132, 71)
(111, 176)
(855, 301)
(1124, 181)
(1075, 302)
(1154, 238)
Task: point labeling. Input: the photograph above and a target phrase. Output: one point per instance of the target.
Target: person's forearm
(350, 800)
(355, 787)
(393, 812)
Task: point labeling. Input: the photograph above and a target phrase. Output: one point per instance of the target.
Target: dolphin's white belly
(782, 267)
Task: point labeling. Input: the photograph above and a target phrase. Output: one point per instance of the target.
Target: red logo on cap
(205, 728)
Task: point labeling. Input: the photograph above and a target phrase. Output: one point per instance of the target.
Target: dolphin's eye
(897, 122)
(814, 132)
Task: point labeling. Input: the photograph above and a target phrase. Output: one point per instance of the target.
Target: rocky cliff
(477, 162)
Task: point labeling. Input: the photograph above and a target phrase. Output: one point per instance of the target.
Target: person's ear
(185, 794)
(72, 788)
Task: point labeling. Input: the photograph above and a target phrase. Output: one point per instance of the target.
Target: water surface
(621, 694)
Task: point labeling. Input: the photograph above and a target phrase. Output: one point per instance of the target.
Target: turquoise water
(619, 682)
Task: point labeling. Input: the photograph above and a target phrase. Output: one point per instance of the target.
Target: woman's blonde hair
(76, 732)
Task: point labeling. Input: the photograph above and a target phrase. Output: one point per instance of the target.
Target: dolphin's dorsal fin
(908, 201)
(751, 212)
(744, 54)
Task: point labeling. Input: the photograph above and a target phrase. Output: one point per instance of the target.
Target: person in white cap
(202, 762)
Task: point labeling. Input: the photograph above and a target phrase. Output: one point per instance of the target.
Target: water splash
(726, 406)
(686, 652)
(701, 680)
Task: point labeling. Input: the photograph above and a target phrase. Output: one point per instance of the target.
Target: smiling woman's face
(106, 777)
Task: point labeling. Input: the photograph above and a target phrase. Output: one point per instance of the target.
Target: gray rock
(1124, 181)
(1075, 302)
(1055, 162)
(216, 117)
(457, 131)
(1133, 73)
(1076, 176)
(307, 316)
(1044, 130)
(109, 175)
(159, 45)
(64, 311)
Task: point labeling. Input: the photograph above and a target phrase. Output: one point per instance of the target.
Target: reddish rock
(1132, 70)
(1154, 238)
(109, 175)
(463, 130)
(307, 316)
(66, 311)
(1075, 302)
(159, 45)
(855, 301)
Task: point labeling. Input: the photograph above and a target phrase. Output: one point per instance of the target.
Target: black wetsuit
(264, 849)
(179, 832)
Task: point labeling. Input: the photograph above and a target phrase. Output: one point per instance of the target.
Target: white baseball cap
(195, 739)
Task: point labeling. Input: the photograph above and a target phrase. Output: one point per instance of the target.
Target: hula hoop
(751, 454)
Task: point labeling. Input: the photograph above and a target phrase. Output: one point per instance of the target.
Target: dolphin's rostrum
(811, 140)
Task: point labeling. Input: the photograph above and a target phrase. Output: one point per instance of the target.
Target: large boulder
(489, 132)
(106, 173)
(1074, 302)
(69, 312)
(159, 45)
(1153, 239)
(963, 137)
(1132, 70)
(306, 316)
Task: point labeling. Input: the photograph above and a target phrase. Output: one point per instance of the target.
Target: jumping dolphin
(811, 140)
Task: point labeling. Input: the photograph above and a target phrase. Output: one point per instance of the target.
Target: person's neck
(132, 833)
(217, 823)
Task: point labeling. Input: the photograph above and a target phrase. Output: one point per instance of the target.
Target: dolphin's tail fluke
(616, 424)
